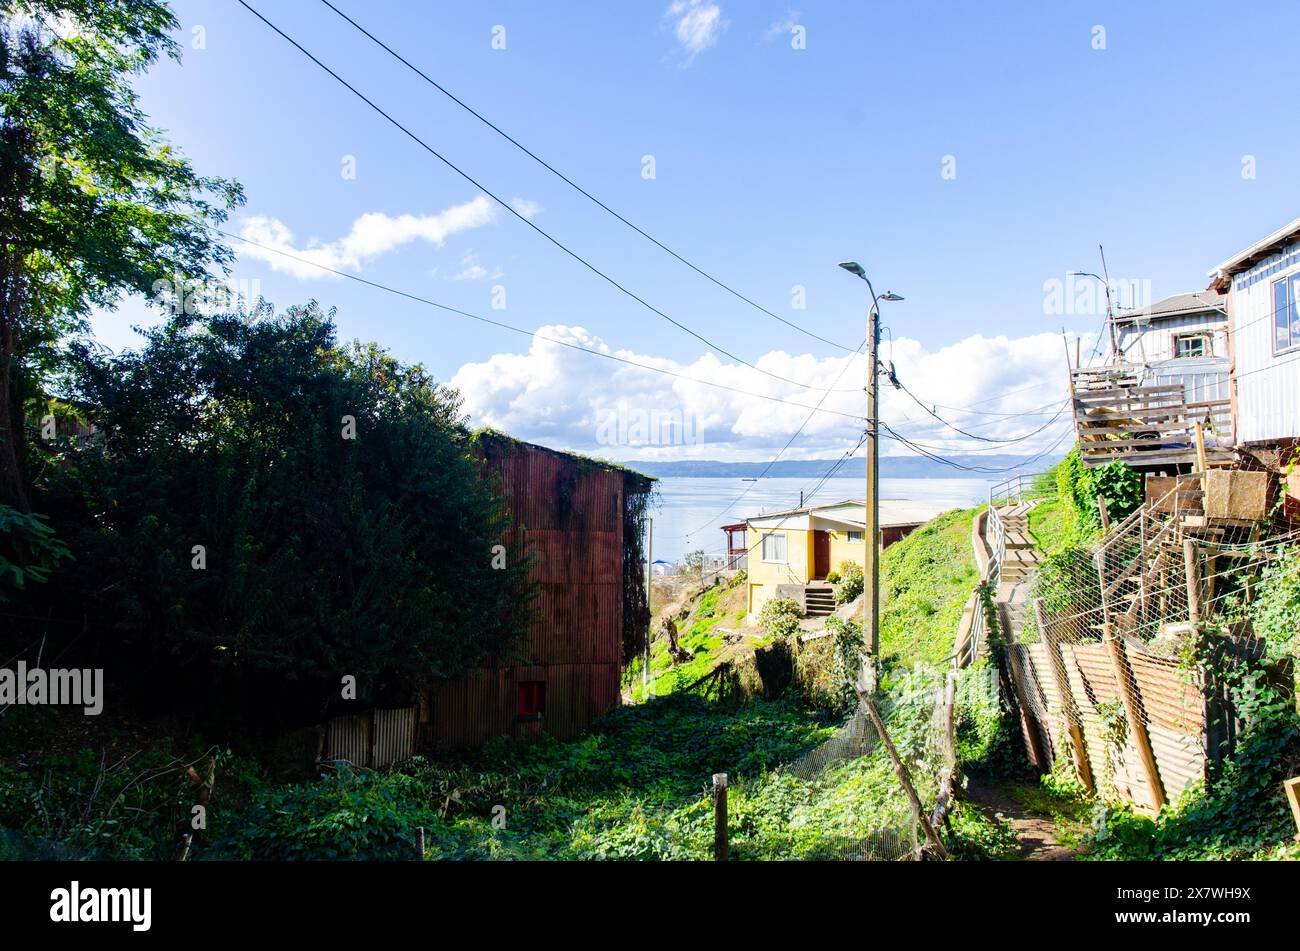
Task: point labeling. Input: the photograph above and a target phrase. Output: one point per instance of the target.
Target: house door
(821, 555)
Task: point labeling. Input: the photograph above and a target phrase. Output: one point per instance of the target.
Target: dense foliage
(780, 617)
(1275, 612)
(93, 201)
(270, 508)
(1078, 487)
(28, 549)
(925, 580)
(850, 582)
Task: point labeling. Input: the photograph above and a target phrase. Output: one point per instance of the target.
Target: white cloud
(562, 397)
(529, 209)
(696, 24)
(473, 270)
(784, 26)
(370, 236)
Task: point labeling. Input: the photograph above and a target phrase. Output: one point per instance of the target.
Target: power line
(571, 183)
(510, 208)
(528, 333)
(954, 428)
(776, 458)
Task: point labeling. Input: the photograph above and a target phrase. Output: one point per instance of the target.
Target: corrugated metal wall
(1268, 385)
(1172, 706)
(1200, 379)
(571, 513)
(375, 739)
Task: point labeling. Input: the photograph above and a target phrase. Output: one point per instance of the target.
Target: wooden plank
(1133, 712)
(1074, 724)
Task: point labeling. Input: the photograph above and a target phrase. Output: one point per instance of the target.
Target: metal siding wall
(575, 633)
(1172, 710)
(1268, 400)
(349, 739)
(1157, 341)
(394, 732)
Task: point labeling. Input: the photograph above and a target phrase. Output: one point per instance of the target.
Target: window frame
(861, 536)
(785, 541)
(530, 701)
(1293, 336)
(1207, 345)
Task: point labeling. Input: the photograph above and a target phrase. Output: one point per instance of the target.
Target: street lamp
(1110, 319)
(871, 527)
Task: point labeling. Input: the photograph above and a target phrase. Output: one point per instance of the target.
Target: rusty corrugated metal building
(580, 521)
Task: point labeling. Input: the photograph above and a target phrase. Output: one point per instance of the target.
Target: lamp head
(853, 267)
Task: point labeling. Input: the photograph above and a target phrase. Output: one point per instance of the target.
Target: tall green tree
(271, 510)
(93, 201)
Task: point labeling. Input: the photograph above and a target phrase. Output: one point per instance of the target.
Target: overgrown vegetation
(925, 580)
(257, 494)
(850, 582)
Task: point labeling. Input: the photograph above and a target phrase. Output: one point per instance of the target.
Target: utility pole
(871, 534)
(871, 527)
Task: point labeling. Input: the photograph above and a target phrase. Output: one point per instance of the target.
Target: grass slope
(925, 580)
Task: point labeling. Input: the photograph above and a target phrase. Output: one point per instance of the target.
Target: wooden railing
(1146, 425)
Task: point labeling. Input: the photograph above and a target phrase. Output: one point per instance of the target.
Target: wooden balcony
(1146, 426)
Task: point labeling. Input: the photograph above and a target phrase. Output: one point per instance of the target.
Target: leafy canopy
(322, 555)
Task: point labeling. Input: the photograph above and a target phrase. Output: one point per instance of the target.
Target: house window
(855, 538)
(1192, 345)
(774, 548)
(532, 699)
(1286, 313)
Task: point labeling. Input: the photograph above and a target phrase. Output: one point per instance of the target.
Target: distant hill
(891, 467)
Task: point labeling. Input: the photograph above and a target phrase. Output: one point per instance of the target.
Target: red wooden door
(821, 554)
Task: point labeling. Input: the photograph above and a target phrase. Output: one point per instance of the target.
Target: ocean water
(691, 511)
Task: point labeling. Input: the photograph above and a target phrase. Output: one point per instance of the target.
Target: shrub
(832, 577)
(1275, 613)
(847, 662)
(780, 617)
(345, 815)
(851, 583)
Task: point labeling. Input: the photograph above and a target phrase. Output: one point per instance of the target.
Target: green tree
(267, 507)
(93, 201)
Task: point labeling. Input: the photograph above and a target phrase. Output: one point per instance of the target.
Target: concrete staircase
(819, 600)
(1020, 560)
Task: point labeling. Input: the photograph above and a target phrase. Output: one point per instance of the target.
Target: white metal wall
(1268, 386)
(1153, 340)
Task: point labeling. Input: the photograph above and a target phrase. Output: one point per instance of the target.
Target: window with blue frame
(1286, 313)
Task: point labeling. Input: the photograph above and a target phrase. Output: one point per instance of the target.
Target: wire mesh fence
(1106, 661)
(843, 800)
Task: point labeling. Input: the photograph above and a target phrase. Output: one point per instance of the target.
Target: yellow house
(790, 553)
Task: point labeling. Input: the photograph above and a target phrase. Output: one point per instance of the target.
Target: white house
(1262, 283)
(1181, 339)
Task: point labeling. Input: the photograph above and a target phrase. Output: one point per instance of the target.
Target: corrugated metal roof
(893, 512)
(1177, 305)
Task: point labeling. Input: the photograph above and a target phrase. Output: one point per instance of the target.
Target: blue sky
(771, 164)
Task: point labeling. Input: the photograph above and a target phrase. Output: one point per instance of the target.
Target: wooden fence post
(1133, 713)
(943, 801)
(720, 817)
(419, 843)
(900, 770)
(1193, 581)
(1068, 707)
(1029, 725)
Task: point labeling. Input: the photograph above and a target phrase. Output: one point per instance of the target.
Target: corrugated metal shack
(580, 521)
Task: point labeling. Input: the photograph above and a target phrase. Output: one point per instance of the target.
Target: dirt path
(1037, 833)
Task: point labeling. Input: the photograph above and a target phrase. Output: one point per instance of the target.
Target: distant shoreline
(891, 467)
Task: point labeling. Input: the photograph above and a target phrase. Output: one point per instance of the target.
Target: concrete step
(1018, 540)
